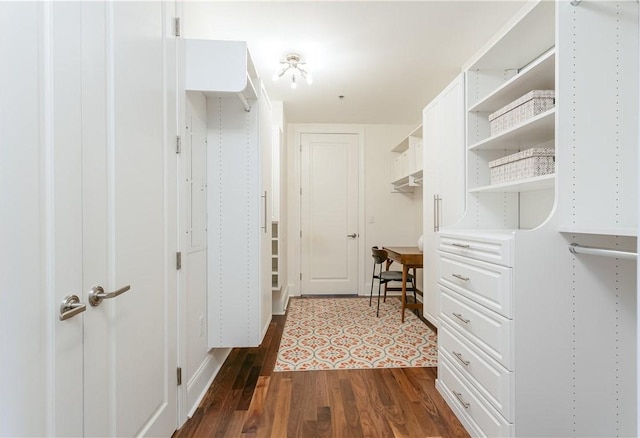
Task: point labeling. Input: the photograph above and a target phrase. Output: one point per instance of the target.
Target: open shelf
(404, 144)
(543, 182)
(538, 129)
(407, 183)
(629, 232)
(539, 75)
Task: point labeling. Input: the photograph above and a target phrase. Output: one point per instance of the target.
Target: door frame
(294, 167)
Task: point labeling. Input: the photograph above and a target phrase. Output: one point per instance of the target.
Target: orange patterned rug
(344, 333)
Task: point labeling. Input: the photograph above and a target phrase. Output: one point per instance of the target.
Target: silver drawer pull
(461, 359)
(460, 277)
(461, 400)
(460, 245)
(461, 318)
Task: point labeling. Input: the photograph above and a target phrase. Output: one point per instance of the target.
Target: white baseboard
(203, 378)
(280, 302)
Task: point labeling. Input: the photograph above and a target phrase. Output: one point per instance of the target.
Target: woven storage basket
(526, 164)
(530, 105)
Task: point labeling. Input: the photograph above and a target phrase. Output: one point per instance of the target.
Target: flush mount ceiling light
(293, 63)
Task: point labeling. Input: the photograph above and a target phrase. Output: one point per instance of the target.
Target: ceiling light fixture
(293, 63)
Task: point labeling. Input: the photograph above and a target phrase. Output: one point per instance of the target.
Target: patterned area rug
(344, 333)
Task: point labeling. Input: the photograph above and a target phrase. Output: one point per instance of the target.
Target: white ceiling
(388, 59)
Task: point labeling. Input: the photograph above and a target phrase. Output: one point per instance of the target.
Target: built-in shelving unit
(536, 131)
(511, 291)
(407, 169)
(238, 124)
(275, 254)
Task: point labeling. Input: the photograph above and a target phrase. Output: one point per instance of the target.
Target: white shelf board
(524, 185)
(538, 129)
(627, 232)
(401, 182)
(539, 75)
(507, 49)
(404, 144)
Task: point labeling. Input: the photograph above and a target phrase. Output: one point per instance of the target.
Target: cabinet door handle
(436, 212)
(461, 359)
(265, 211)
(461, 400)
(461, 318)
(460, 277)
(460, 245)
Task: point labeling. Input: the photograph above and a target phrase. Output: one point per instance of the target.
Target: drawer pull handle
(460, 277)
(460, 245)
(461, 400)
(461, 359)
(461, 318)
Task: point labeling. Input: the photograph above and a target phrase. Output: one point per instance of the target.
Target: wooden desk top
(406, 255)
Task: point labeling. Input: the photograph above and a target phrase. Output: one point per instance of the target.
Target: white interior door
(129, 227)
(88, 195)
(329, 216)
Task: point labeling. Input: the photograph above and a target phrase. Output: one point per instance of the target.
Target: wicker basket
(526, 164)
(530, 105)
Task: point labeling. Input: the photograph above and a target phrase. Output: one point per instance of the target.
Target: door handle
(98, 294)
(436, 212)
(352, 236)
(265, 211)
(70, 307)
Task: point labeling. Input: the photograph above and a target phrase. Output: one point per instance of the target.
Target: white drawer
(489, 247)
(485, 283)
(489, 378)
(466, 402)
(488, 330)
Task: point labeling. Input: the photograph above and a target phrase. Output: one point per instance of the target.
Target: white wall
(397, 217)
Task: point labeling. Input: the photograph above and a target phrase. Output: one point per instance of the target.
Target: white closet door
(129, 228)
(430, 190)
(329, 214)
(89, 185)
(451, 167)
(443, 184)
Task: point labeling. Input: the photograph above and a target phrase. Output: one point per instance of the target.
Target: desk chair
(384, 277)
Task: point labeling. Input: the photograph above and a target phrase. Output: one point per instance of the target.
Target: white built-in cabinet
(443, 130)
(239, 131)
(406, 171)
(535, 340)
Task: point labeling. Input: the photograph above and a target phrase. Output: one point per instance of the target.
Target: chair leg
(385, 291)
(385, 285)
(373, 278)
(415, 297)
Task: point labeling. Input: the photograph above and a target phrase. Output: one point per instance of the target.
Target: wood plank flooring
(247, 399)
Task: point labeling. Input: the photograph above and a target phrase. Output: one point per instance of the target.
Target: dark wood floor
(247, 399)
